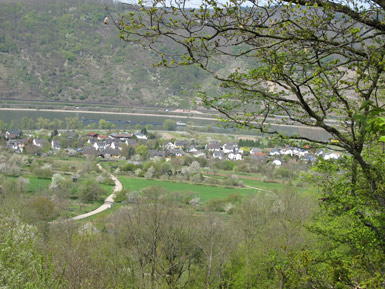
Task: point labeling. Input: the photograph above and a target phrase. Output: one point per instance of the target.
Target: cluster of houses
(14, 139)
(229, 151)
(110, 147)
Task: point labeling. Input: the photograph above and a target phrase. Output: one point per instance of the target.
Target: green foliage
(226, 165)
(143, 151)
(40, 209)
(169, 124)
(249, 143)
(90, 191)
(121, 196)
(22, 265)
(42, 172)
(204, 192)
(103, 124)
(129, 167)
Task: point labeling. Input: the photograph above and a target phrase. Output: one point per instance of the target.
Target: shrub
(217, 205)
(41, 209)
(90, 191)
(44, 172)
(121, 196)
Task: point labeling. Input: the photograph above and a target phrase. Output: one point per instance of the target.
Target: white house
(213, 146)
(275, 152)
(55, 144)
(39, 142)
(169, 146)
(192, 149)
(229, 148)
(287, 152)
(277, 163)
(199, 154)
(140, 135)
(234, 156)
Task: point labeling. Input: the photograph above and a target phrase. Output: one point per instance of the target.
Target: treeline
(26, 123)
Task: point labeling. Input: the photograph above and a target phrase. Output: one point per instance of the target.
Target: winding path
(107, 202)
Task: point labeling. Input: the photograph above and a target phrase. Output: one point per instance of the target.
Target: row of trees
(43, 123)
(74, 123)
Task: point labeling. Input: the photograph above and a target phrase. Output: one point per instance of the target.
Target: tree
(158, 238)
(90, 191)
(40, 209)
(104, 124)
(73, 122)
(316, 64)
(143, 151)
(215, 243)
(22, 265)
(169, 124)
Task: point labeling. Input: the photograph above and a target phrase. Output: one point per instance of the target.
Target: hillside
(61, 51)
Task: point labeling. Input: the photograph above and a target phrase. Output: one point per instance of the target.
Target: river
(127, 121)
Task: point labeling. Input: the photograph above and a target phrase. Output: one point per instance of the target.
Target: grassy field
(74, 208)
(204, 192)
(37, 185)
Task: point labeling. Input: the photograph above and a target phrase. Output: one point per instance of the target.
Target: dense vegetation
(62, 51)
(170, 233)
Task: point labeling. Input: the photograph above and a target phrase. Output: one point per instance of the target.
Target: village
(142, 145)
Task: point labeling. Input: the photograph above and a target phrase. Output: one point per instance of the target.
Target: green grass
(37, 185)
(262, 185)
(205, 192)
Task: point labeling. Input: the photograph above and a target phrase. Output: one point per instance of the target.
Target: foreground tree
(317, 64)
(22, 264)
(158, 239)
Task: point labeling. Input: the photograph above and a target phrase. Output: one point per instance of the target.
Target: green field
(37, 185)
(205, 192)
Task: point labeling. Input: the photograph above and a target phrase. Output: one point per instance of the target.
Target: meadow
(204, 192)
(37, 185)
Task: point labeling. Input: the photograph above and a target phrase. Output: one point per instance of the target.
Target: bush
(105, 179)
(41, 209)
(121, 196)
(233, 181)
(130, 167)
(12, 186)
(169, 124)
(212, 181)
(44, 172)
(226, 165)
(90, 191)
(217, 205)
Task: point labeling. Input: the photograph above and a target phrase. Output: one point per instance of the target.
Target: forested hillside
(62, 51)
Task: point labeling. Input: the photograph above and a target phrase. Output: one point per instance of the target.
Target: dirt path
(258, 189)
(239, 176)
(107, 202)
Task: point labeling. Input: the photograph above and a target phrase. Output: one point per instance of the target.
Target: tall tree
(316, 64)
(158, 239)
